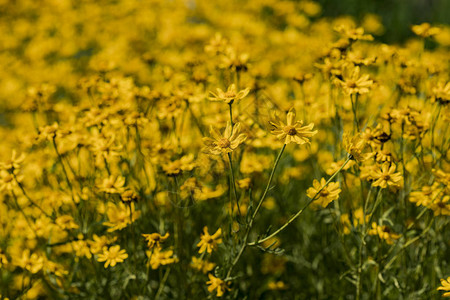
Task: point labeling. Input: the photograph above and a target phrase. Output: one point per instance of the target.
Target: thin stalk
(292, 219)
(233, 185)
(250, 225)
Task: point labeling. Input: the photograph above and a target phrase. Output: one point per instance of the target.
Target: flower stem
(250, 224)
(292, 219)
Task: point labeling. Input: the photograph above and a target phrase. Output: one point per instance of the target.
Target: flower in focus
(155, 239)
(112, 256)
(292, 131)
(445, 286)
(327, 195)
(218, 284)
(226, 143)
(386, 176)
(209, 242)
(230, 95)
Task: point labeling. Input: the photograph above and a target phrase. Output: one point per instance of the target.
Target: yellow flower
(354, 83)
(66, 222)
(112, 256)
(161, 258)
(425, 30)
(119, 216)
(218, 284)
(230, 95)
(327, 195)
(155, 239)
(99, 242)
(226, 143)
(355, 146)
(32, 263)
(441, 93)
(445, 286)
(14, 163)
(384, 233)
(292, 131)
(209, 242)
(203, 266)
(386, 176)
(113, 184)
(441, 206)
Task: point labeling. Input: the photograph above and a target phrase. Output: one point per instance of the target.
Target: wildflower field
(221, 150)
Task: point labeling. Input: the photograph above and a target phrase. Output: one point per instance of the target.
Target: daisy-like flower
(386, 176)
(355, 145)
(209, 242)
(326, 195)
(155, 239)
(355, 83)
(384, 233)
(14, 163)
(217, 284)
(445, 286)
(202, 265)
(226, 143)
(441, 93)
(161, 258)
(112, 185)
(112, 256)
(230, 95)
(293, 131)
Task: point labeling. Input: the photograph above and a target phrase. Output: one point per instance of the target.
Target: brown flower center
(386, 177)
(351, 84)
(324, 193)
(224, 143)
(290, 130)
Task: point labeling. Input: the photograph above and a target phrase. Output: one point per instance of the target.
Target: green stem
(233, 185)
(292, 219)
(250, 225)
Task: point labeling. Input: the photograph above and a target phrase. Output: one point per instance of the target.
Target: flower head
(217, 284)
(226, 143)
(293, 131)
(445, 286)
(209, 242)
(230, 95)
(386, 176)
(112, 256)
(355, 83)
(326, 195)
(155, 239)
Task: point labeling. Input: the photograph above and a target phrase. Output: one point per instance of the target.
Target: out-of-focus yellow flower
(425, 30)
(201, 265)
(292, 131)
(120, 216)
(155, 239)
(355, 145)
(217, 284)
(114, 184)
(160, 258)
(31, 262)
(326, 195)
(354, 83)
(112, 255)
(384, 233)
(209, 242)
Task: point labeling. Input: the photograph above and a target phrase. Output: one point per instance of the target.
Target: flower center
(386, 177)
(290, 130)
(351, 84)
(224, 143)
(324, 193)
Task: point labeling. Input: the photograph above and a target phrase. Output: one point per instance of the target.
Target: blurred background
(397, 16)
